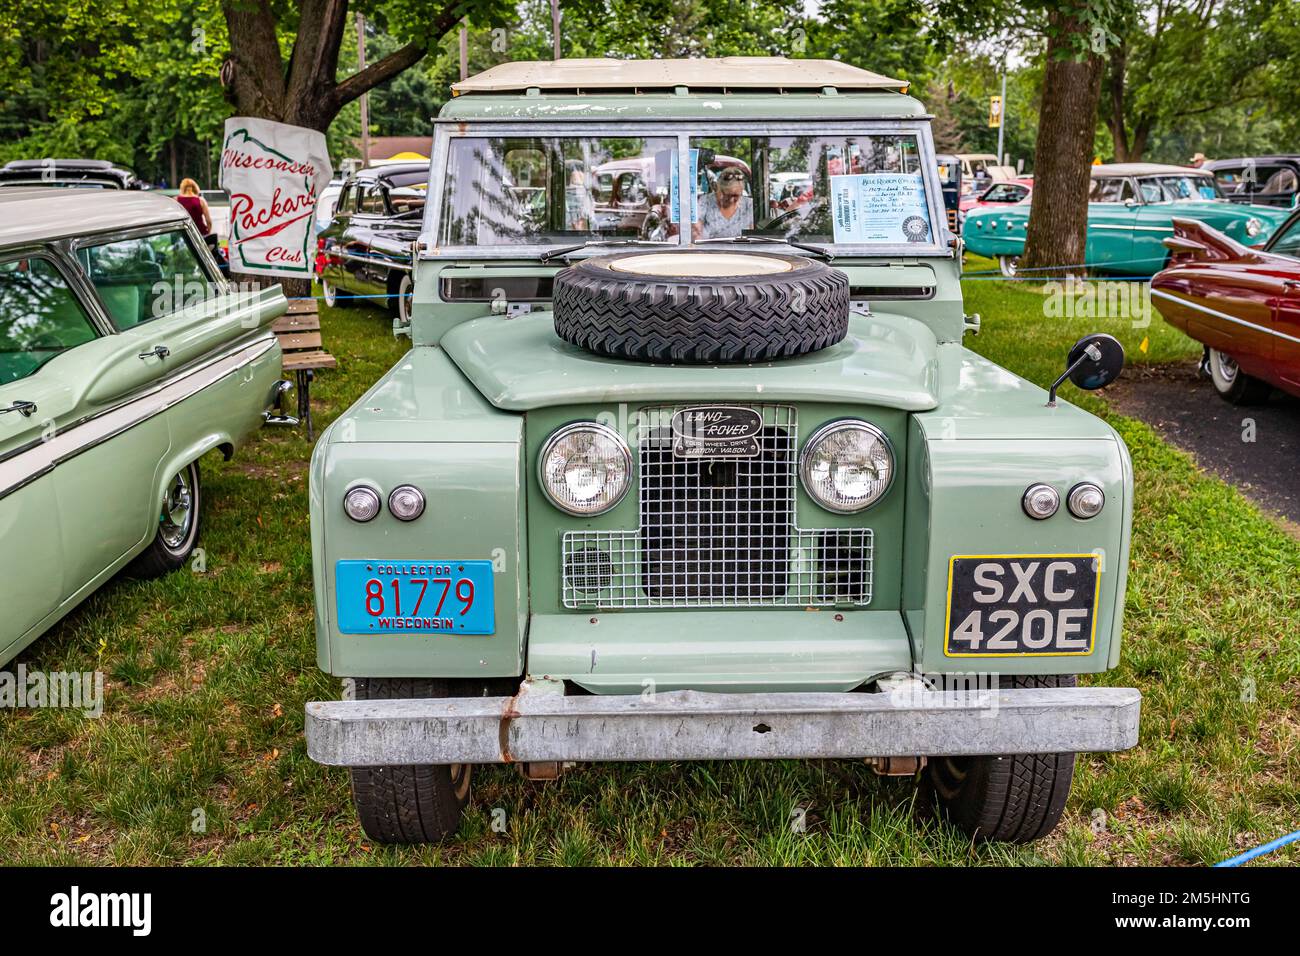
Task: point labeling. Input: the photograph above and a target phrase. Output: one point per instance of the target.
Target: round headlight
(1254, 227)
(361, 503)
(1040, 501)
(406, 502)
(1085, 500)
(847, 466)
(585, 468)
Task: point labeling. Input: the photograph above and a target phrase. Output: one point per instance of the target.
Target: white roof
(38, 214)
(1146, 169)
(728, 72)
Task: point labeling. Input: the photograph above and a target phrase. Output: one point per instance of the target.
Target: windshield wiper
(805, 246)
(565, 250)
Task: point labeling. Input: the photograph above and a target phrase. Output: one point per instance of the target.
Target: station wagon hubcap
(177, 511)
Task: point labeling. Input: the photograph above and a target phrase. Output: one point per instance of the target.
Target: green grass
(208, 674)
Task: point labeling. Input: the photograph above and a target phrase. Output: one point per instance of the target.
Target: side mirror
(1095, 360)
(1130, 203)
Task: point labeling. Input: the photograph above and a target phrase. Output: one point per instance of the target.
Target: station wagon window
(40, 316)
(1110, 190)
(529, 190)
(347, 201)
(146, 277)
(831, 189)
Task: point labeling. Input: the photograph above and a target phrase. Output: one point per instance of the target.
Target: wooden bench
(300, 339)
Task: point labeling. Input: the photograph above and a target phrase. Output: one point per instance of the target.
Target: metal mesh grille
(717, 532)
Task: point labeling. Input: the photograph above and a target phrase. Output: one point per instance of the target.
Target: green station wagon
(720, 482)
(124, 358)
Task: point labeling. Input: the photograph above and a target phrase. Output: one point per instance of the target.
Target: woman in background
(197, 207)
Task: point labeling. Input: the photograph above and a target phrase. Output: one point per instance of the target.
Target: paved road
(1184, 409)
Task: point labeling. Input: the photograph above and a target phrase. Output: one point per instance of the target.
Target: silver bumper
(686, 725)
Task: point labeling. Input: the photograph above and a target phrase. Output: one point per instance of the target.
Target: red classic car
(1242, 303)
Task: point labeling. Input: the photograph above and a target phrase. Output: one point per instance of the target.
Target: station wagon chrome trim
(33, 461)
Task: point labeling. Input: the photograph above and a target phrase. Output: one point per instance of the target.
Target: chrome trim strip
(1223, 315)
(372, 260)
(40, 459)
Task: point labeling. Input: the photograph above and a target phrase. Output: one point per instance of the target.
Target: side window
(371, 202)
(1104, 190)
(347, 201)
(1151, 191)
(145, 278)
(40, 316)
(1287, 242)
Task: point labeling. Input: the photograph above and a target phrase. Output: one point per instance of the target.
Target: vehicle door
(170, 311)
(1112, 212)
(1286, 312)
(46, 338)
(334, 240)
(369, 275)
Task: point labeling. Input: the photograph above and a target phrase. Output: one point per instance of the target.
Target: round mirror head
(1103, 359)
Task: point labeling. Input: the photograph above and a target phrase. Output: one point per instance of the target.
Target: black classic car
(82, 173)
(1259, 180)
(364, 255)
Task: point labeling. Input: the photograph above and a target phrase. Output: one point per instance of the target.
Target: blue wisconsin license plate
(414, 597)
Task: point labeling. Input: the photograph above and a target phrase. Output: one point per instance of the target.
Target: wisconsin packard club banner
(273, 172)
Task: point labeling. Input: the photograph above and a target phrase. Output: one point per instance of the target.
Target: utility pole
(555, 28)
(464, 51)
(365, 97)
(1003, 125)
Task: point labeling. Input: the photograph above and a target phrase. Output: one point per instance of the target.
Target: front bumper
(538, 725)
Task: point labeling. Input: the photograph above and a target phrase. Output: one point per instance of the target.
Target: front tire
(409, 804)
(1015, 798)
(1232, 384)
(1009, 266)
(178, 527)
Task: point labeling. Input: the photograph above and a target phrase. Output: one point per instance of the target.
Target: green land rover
(703, 470)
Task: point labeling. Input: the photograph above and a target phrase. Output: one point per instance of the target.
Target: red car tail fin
(1194, 241)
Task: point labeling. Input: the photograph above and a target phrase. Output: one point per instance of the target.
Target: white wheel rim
(1227, 367)
(328, 291)
(689, 265)
(404, 292)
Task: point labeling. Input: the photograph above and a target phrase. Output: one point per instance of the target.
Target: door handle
(1291, 284)
(161, 351)
(25, 409)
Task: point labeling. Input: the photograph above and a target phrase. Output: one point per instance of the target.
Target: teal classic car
(1131, 208)
(725, 486)
(124, 358)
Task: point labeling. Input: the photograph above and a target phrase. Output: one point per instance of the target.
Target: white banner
(273, 172)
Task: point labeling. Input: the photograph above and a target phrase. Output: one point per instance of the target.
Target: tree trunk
(1058, 218)
(306, 91)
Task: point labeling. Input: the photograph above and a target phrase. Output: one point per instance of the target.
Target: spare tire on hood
(701, 307)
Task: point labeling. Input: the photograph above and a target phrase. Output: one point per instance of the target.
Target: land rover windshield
(833, 188)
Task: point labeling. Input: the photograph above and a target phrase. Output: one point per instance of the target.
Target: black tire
(1011, 799)
(174, 541)
(409, 804)
(1233, 385)
(741, 316)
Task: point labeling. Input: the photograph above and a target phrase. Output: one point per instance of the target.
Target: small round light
(361, 503)
(1086, 500)
(1040, 501)
(847, 466)
(406, 503)
(585, 468)
(1253, 227)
